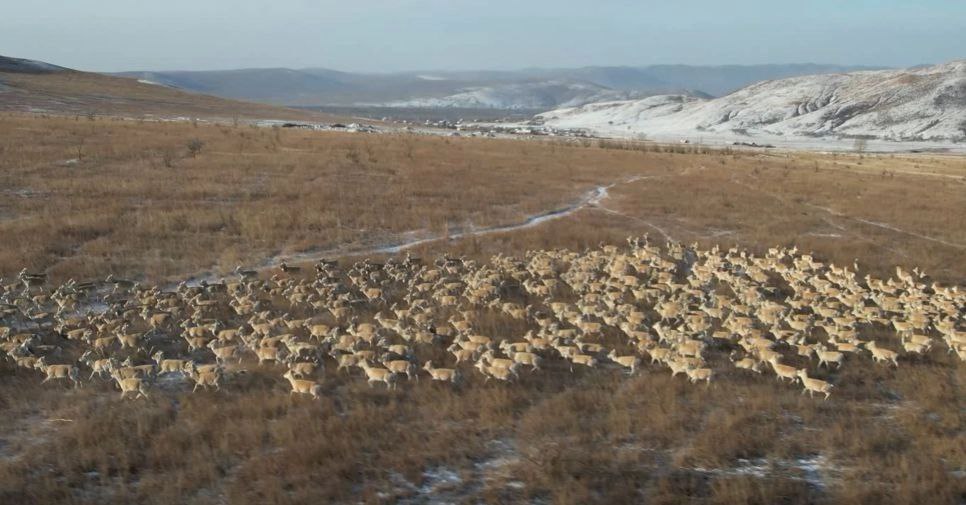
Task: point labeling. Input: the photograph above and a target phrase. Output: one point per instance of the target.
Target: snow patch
(540, 95)
(815, 470)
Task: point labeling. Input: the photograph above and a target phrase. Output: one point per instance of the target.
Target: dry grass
(252, 192)
(600, 438)
(886, 436)
(87, 197)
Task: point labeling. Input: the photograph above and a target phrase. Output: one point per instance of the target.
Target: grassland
(83, 198)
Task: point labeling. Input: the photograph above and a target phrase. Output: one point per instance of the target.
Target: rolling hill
(922, 103)
(33, 86)
(518, 89)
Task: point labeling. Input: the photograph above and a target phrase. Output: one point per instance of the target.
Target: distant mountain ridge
(518, 89)
(23, 66)
(915, 104)
(36, 86)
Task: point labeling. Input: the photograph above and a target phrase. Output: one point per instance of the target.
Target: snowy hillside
(529, 95)
(533, 88)
(927, 103)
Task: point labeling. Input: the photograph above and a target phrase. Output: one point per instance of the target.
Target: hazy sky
(388, 35)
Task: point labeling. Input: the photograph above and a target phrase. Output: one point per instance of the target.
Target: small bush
(194, 147)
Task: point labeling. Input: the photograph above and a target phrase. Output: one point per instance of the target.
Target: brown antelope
(132, 385)
(204, 378)
(303, 386)
(374, 375)
(301, 369)
(880, 354)
(630, 362)
(783, 372)
(442, 374)
(500, 373)
(168, 365)
(700, 374)
(401, 366)
(814, 385)
(64, 372)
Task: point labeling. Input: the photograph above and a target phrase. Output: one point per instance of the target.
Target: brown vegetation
(88, 197)
(82, 199)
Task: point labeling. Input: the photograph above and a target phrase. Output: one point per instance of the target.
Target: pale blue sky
(390, 35)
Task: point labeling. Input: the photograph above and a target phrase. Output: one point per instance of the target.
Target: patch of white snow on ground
(815, 470)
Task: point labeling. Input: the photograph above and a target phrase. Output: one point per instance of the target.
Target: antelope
(677, 367)
(690, 348)
(302, 369)
(99, 367)
(582, 359)
(914, 347)
(102, 344)
(511, 347)
(825, 357)
(903, 327)
(401, 366)
(203, 378)
(27, 361)
(168, 365)
(846, 347)
(699, 374)
(228, 335)
(319, 331)
(528, 358)
(195, 343)
(158, 320)
(346, 361)
(265, 353)
(225, 353)
(783, 372)
(375, 375)
(746, 364)
(442, 374)
(631, 361)
(131, 385)
(919, 340)
(303, 386)
(814, 385)
(879, 354)
(146, 371)
(461, 354)
(493, 361)
(373, 294)
(658, 354)
(66, 372)
(503, 374)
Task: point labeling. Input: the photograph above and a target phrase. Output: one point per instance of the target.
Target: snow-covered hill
(528, 95)
(536, 88)
(925, 103)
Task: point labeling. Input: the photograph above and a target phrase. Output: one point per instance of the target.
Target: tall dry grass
(136, 202)
(83, 198)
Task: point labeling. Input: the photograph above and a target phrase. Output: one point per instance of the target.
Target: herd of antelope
(694, 312)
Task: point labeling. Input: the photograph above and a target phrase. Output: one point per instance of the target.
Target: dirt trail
(414, 238)
(591, 198)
